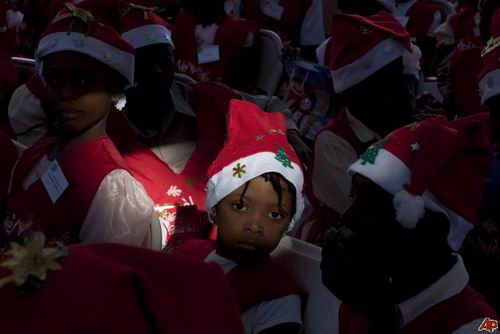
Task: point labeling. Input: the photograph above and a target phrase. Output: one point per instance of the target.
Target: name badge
(210, 54)
(54, 181)
(274, 10)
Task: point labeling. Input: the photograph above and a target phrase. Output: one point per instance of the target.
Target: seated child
(73, 184)
(254, 195)
(213, 46)
(393, 258)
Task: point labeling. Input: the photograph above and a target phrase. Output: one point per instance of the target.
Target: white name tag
(54, 181)
(210, 54)
(275, 11)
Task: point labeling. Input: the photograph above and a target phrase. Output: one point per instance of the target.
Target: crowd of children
(146, 178)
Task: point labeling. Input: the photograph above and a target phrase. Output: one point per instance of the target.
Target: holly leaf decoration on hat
(371, 154)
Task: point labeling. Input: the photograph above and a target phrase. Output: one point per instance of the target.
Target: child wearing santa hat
(298, 22)
(373, 65)
(254, 195)
(73, 184)
(169, 132)
(211, 45)
(420, 18)
(392, 257)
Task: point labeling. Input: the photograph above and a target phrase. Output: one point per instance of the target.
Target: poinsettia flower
(32, 260)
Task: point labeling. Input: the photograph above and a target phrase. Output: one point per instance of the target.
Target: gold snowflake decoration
(239, 170)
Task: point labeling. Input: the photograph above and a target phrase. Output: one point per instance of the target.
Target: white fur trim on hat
(380, 55)
(147, 35)
(409, 208)
(489, 85)
(223, 183)
(119, 60)
(392, 175)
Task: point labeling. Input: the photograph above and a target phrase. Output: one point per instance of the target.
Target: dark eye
(85, 81)
(239, 207)
(54, 80)
(275, 215)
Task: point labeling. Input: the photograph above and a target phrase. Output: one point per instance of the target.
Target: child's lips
(68, 113)
(248, 245)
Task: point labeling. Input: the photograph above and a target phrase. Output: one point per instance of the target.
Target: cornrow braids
(275, 179)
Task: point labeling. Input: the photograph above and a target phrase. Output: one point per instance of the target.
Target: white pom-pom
(409, 208)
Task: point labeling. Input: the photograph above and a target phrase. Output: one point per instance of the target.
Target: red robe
(421, 16)
(182, 196)
(252, 284)
(84, 166)
(464, 78)
(463, 25)
(290, 25)
(231, 37)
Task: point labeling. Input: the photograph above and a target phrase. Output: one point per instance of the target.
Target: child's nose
(253, 227)
(68, 92)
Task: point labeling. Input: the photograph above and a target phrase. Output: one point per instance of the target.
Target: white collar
(364, 133)
(226, 264)
(452, 283)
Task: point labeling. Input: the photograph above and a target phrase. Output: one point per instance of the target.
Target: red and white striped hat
(364, 45)
(85, 30)
(141, 26)
(257, 144)
(436, 165)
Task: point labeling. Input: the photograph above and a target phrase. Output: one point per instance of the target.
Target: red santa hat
(364, 45)
(111, 288)
(435, 164)
(489, 78)
(79, 30)
(257, 144)
(141, 26)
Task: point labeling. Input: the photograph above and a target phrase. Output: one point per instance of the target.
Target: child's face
(80, 91)
(251, 227)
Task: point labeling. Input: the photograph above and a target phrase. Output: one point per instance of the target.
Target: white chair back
(303, 259)
(271, 67)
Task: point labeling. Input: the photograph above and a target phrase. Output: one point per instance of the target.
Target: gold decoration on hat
(74, 14)
(413, 126)
(145, 10)
(29, 264)
(492, 44)
(239, 170)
